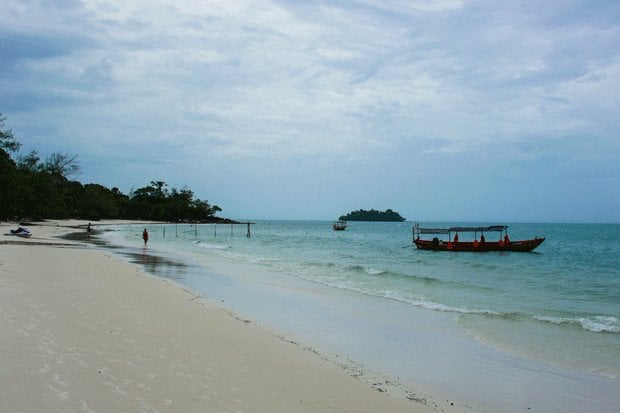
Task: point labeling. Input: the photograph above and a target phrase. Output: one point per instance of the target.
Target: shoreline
(82, 330)
(414, 348)
(443, 370)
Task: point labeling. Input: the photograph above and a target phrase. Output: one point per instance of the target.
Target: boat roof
(492, 228)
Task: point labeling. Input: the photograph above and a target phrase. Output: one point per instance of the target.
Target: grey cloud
(15, 47)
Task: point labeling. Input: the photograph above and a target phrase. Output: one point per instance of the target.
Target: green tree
(61, 164)
(99, 202)
(8, 171)
(156, 202)
(7, 139)
(29, 162)
(149, 202)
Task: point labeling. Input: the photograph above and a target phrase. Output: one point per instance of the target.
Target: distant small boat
(340, 225)
(482, 245)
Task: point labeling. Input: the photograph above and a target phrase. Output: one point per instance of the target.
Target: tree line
(35, 188)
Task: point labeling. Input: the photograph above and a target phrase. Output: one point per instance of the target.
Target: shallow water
(365, 293)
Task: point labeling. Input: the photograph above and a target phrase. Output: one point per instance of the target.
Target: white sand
(82, 331)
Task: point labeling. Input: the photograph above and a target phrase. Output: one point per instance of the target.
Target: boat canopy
(493, 228)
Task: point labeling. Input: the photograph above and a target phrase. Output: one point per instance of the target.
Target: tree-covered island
(373, 215)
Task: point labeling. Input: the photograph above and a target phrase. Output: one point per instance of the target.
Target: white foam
(448, 309)
(598, 324)
(211, 246)
(430, 305)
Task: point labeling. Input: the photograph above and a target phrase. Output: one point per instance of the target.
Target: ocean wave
(448, 309)
(365, 270)
(208, 246)
(372, 271)
(360, 269)
(433, 306)
(598, 324)
(355, 268)
(319, 264)
(397, 295)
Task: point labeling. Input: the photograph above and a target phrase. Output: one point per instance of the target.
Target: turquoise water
(559, 305)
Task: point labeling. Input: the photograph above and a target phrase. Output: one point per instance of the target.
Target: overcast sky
(455, 110)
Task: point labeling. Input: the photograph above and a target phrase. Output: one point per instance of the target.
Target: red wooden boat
(477, 245)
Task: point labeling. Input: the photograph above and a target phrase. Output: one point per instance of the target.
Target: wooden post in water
(215, 229)
(164, 232)
(231, 230)
(249, 230)
(196, 230)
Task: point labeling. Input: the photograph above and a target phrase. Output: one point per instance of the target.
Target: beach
(303, 318)
(83, 331)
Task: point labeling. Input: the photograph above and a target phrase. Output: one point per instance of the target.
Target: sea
(493, 331)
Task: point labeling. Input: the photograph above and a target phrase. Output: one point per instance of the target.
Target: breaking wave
(208, 246)
(448, 309)
(598, 324)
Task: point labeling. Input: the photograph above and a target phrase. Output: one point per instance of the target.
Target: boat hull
(339, 226)
(515, 246)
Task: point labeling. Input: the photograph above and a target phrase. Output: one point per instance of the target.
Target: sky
(454, 110)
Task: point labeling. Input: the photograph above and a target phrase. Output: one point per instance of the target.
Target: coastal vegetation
(373, 215)
(35, 188)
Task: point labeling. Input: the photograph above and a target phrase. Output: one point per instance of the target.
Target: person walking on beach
(145, 236)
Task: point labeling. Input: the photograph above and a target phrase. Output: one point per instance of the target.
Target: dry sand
(82, 331)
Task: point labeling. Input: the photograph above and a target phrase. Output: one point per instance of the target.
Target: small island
(373, 215)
